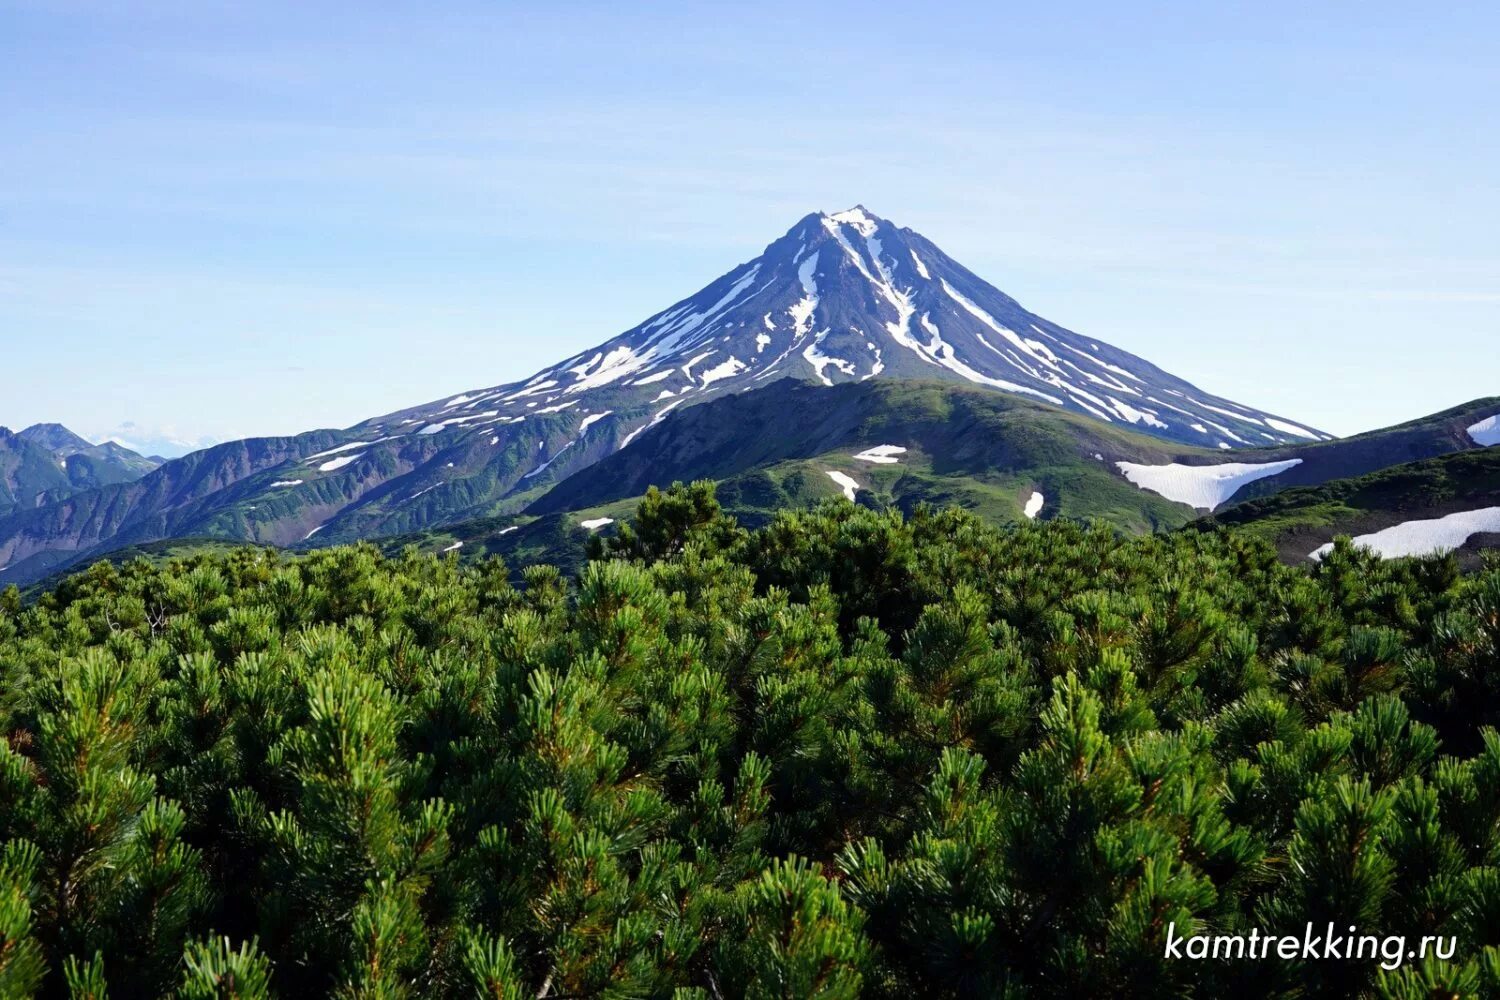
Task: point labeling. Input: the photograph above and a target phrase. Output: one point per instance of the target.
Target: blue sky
(224, 220)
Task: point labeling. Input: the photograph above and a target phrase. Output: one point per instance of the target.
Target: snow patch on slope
(1228, 413)
(1202, 486)
(344, 447)
(437, 426)
(940, 352)
(802, 311)
(340, 462)
(555, 455)
(1486, 432)
(530, 390)
(592, 419)
(1031, 348)
(656, 419)
(723, 370)
(899, 300)
(882, 454)
(1033, 505)
(1420, 538)
(677, 335)
(819, 360)
(1134, 415)
(845, 481)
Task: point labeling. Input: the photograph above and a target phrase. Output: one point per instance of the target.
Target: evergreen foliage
(845, 754)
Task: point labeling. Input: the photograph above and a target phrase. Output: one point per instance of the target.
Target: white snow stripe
(1426, 537)
(340, 462)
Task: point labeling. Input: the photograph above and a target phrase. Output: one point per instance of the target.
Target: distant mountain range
(846, 334)
(47, 462)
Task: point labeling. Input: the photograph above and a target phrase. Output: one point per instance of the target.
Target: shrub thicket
(845, 754)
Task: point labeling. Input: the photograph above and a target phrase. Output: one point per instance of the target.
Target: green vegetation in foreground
(845, 754)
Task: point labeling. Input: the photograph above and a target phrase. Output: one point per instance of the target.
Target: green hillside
(771, 448)
(46, 463)
(1299, 520)
(982, 450)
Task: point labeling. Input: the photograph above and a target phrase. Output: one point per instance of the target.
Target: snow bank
(801, 312)
(819, 360)
(661, 415)
(344, 447)
(340, 462)
(1033, 504)
(595, 523)
(286, 482)
(1134, 415)
(1487, 431)
(727, 369)
(882, 454)
(845, 481)
(592, 419)
(438, 425)
(1420, 538)
(1201, 486)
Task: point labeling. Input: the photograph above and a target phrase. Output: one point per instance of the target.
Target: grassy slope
(27, 471)
(978, 449)
(1299, 520)
(968, 447)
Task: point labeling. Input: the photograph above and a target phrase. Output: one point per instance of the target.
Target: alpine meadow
(491, 507)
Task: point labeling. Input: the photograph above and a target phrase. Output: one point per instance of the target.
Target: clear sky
(222, 220)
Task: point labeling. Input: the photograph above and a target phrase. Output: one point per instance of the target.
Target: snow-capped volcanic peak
(849, 296)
